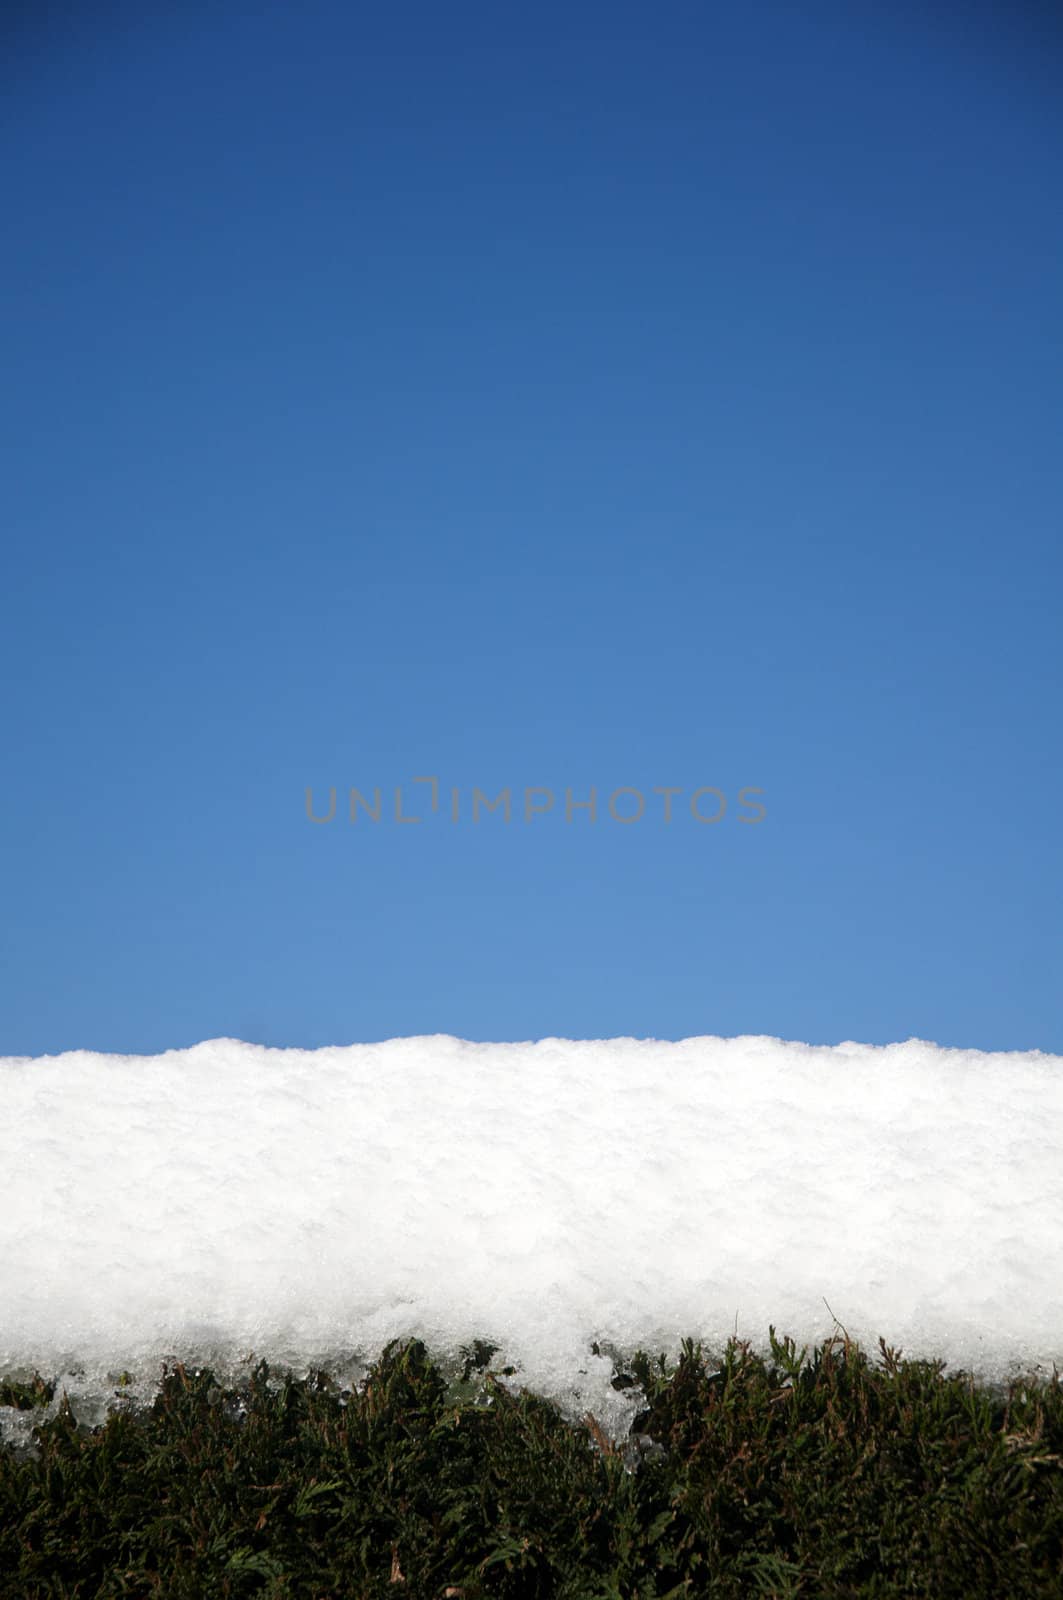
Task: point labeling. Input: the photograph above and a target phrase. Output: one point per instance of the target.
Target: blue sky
(595, 395)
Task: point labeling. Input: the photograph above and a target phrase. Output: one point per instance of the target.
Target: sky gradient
(592, 396)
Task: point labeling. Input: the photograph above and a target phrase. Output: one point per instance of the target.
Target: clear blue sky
(561, 396)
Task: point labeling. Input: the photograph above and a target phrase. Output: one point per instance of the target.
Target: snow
(309, 1205)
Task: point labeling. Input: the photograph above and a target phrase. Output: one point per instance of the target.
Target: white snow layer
(308, 1205)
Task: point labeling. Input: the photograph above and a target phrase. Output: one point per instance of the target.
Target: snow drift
(307, 1206)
